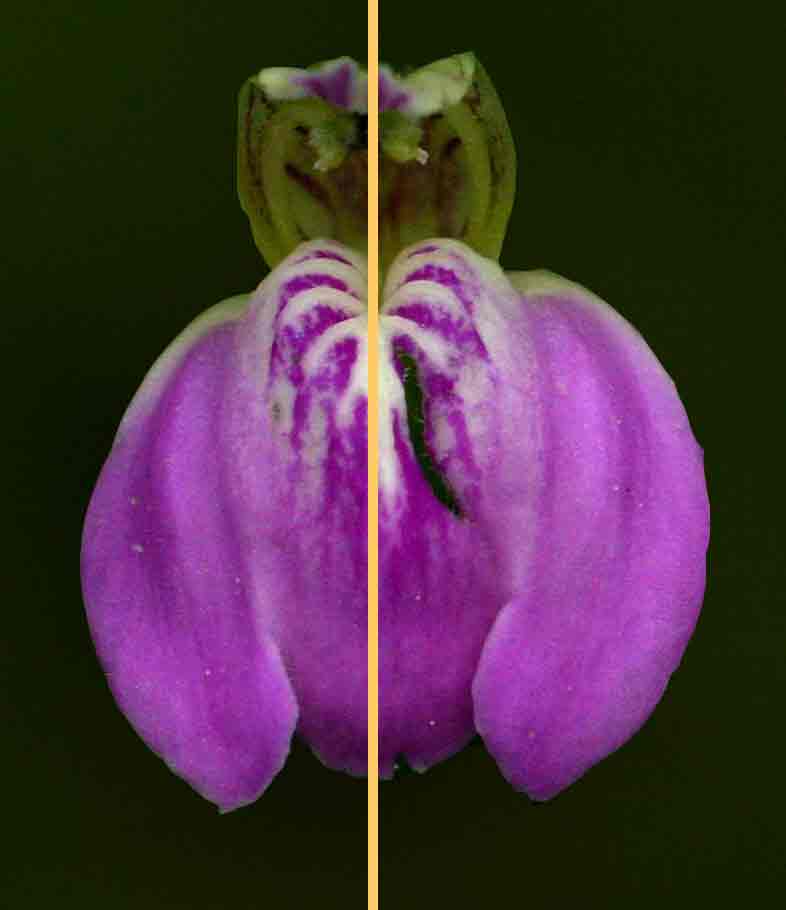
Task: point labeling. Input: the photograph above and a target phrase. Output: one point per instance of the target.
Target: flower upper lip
(344, 83)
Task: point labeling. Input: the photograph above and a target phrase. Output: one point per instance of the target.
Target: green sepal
(300, 173)
(458, 178)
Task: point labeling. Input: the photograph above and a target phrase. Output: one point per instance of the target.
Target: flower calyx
(302, 156)
(447, 160)
(448, 163)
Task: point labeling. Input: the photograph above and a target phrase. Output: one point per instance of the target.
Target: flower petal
(441, 584)
(224, 556)
(607, 600)
(438, 594)
(314, 500)
(164, 580)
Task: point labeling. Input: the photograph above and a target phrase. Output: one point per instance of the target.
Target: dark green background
(651, 150)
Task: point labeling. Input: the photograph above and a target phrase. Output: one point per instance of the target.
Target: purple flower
(543, 510)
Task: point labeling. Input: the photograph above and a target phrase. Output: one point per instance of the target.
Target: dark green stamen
(416, 423)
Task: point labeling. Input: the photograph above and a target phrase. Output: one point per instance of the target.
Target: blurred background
(121, 224)
(652, 170)
(651, 160)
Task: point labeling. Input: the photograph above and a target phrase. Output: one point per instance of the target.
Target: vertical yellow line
(373, 453)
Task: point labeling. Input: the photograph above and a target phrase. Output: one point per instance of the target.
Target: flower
(543, 510)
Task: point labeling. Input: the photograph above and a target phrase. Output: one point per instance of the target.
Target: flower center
(436, 376)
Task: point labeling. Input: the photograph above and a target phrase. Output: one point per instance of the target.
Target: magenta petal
(314, 499)
(438, 595)
(439, 587)
(543, 520)
(165, 585)
(224, 553)
(582, 651)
